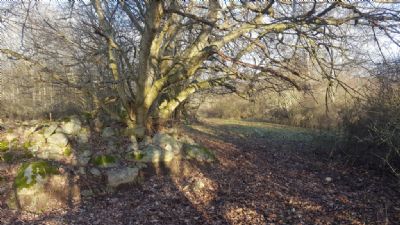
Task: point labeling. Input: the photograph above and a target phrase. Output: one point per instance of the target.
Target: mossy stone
(104, 160)
(4, 146)
(68, 151)
(137, 155)
(66, 119)
(14, 156)
(28, 173)
(27, 145)
(134, 155)
(87, 115)
(199, 153)
(40, 188)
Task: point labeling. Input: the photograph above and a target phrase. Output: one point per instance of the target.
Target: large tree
(158, 53)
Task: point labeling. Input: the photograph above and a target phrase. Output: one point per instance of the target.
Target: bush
(373, 125)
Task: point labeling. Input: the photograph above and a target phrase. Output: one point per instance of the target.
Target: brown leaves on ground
(256, 180)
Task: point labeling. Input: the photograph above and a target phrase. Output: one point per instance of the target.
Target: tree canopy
(150, 56)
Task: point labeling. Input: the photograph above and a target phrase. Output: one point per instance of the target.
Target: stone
(95, 172)
(40, 187)
(167, 142)
(117, 177)
(72, 125)
(51, 151)
(198, 153)
(98, 124)
(107, 132)
(37, 139)
(86, 153)
(82, 170)
(185, 139)
(11, 137)
(155, 154)
(146, 141)
(47, 131)
(84, 158)
(135, 155)
(83, 136)
(133, 145)
(328, 179)
(58, 139)
(87, 193)
(28, 132)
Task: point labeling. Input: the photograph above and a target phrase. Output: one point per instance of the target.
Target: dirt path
(265, 175)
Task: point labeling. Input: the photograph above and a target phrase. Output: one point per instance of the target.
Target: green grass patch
(270, 131)
(310, 139)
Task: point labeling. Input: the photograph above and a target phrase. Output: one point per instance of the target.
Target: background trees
(139, 60)
(372, 125)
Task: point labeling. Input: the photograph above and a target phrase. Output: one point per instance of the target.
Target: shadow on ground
(265, 174)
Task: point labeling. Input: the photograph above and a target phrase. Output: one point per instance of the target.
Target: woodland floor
(265, 174)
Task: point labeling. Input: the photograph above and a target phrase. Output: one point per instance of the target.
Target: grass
(268, 131)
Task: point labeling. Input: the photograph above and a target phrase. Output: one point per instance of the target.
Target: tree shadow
(286, 184)
(256, 180)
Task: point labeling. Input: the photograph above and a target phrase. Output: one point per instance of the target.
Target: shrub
(373, 125)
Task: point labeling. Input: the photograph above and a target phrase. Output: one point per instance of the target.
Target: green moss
(14, 156)
(135, 155)
(87, 115)
(28, 155)
(138, 155)
(66, 119)
(68, 151)
(8, 157)
(28, 172)
(104, 160)
(27, 145)
(199, 153)
(3, 146)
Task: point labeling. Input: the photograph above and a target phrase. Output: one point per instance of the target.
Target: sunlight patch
(243, 215)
